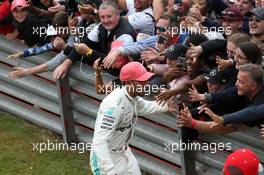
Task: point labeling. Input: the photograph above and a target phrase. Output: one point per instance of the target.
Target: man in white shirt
(116, 121)
(143, 20)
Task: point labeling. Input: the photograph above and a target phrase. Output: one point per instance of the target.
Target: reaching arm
(21, 72)
(185, 120)
(246, 116)
(167, 94)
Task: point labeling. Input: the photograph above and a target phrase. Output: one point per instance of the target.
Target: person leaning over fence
(116, 119)
(245, 53)
(248, 116)
(51, 35)
(60, 20)
(28, 26)
(249, 91)
(97, 44)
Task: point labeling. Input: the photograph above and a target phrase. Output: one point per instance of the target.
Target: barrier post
(66, 111)
(187, 159)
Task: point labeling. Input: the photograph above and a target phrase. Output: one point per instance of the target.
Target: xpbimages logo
(146, 89)
(195, 146)
(44, 31)
(58, 146)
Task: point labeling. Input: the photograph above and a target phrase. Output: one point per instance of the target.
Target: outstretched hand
(19, 72)
(185, 118)
(110, 59)
(164, 96)
(218, 120)
(172, 106)
(194, 95)
(15, 55)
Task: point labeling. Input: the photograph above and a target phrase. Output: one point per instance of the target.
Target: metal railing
(40, 100)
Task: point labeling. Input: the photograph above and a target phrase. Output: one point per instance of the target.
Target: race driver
(115, 123)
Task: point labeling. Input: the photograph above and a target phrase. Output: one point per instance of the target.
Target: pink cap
(18, 3)
(243, 160)
(134, 71)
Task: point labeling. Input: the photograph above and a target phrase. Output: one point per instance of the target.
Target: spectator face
(240, 58)
(201, 5)
(230, 49)
(109, 18)
(141, 5)
(212, 88)
(245, 85)
(231, 26)
(256, 25)
(245, 6)
(193, 68)
(20, 15)
(161, 27)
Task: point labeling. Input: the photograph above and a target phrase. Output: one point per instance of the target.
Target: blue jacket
(250, 116)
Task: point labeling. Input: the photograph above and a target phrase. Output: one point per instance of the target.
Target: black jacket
(30, 28)
(102, 48)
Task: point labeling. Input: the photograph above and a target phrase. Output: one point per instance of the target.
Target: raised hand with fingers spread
(151, 55)
(164, 96)
(218, 120)
(222, 63)
(185, 118)
(172, 107)
(195, 51)
(194, 95)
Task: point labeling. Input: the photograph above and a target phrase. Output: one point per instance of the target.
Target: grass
(18, 157)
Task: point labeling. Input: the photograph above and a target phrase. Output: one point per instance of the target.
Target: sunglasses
(255, 18)
(161, 29)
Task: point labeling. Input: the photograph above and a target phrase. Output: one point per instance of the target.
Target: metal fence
(39, 100)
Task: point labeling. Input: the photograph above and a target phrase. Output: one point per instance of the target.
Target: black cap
(259, 12)
(175, 51)
(219, 77)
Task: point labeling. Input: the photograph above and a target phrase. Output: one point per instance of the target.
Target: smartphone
(182, 63)
(162, 39)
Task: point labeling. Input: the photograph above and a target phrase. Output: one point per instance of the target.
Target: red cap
(232, 13)
(18, 3)
(134, 71)
(243, 159)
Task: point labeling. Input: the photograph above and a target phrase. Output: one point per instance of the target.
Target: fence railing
(40, 100)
